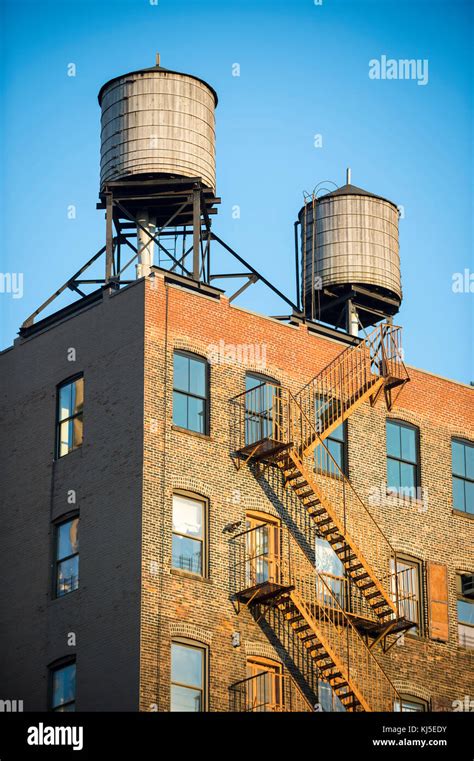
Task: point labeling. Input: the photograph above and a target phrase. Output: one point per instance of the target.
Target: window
(261, 401)
(188, 677)
(465, 609)
(189, 526)
(262, 549)
(463, 476)
(328, 699)
(67, 557)
(191, 393)
(264, 685)
(336, 460)
(409, 591)
(331, 569)
(402, 458)
(69, 432)
(410, 704)
(63, 688)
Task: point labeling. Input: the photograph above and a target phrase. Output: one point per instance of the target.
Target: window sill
(65, 456)
(190, 575)
(405, 498)
(56, 598)
(463, 514)
(335, 476)
(198, 435)
(415, 637)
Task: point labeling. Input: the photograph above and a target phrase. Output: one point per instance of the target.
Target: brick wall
(179, 605)
(130, 604)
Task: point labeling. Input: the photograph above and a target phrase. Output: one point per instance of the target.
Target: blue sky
(303, 71)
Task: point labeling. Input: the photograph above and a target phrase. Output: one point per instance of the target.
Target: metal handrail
(329, 492)
(313, 596)
(270, 691)
(352, 374)
(286, 422)
(368, 341)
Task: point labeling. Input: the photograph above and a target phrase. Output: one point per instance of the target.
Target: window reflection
(187, 677)
(69, 433)
(188, 534)
(67, 557)
(463, 475)
(190, 393)
(402, 458)
(64, 688)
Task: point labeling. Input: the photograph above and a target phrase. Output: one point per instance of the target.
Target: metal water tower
(350, 263)
(157, 168)
(157, 186)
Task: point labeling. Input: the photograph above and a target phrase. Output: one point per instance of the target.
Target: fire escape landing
(338, 620)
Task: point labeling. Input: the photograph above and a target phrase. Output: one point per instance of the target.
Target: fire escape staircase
(275, 427)
(338, 650)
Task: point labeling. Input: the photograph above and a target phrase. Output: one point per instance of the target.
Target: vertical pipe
(145, 244)
(297, 268)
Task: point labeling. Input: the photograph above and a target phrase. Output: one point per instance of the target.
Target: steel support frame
(196, 202)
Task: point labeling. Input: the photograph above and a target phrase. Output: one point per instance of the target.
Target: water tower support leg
(109, 245)
(196, 233)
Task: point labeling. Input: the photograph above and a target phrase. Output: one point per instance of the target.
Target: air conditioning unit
(467, 585)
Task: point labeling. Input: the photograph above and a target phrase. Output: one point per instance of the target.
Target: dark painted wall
(106, 473)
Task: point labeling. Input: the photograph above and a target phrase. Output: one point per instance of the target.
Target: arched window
(261, 408)
(189, 541)
(403, 468)
(189, 676)
(62, 685)
(410, 704)
(264, 690)
(462, 453)
(262, 549)
(69, 415)
(407, 583)
(66, 555)
(191, 392)
(330, 459)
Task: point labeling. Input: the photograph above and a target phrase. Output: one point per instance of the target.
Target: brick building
(213, 571)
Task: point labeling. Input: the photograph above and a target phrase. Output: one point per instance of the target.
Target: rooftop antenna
(348, 176)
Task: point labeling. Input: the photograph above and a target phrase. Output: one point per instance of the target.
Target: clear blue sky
(304, 70)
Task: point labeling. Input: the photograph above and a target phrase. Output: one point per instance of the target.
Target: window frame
(58, 665)
(259, 415)
(344, 442)
(67, 382)
(204, 574)
(414, 700)
(462, 598)
(254, 520)
(419, 631)
(417, 464)
(207, 398)
(204, 648)
(67, 518)
(277, 684)
(464, 479)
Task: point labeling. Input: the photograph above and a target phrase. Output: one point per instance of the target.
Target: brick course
(178, 319)
(131, 604)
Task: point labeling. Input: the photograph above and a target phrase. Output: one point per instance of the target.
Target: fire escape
(338, 621)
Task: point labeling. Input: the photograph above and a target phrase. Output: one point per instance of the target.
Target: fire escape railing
(269, 419)
(329, 398)
(267, 692)
(257, 576)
